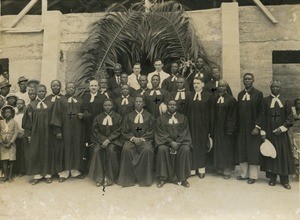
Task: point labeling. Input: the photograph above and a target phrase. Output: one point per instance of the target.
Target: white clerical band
(139, 118)
(41, 104)
(246, 97)
(173, 120)
(157, 92)
(107, 120)
(197, 96)
(180, 94)
(174, 78)
(71, 99)
(53, 99)
(274, 100)
(93, 97)
(124, 100)
(221, 99)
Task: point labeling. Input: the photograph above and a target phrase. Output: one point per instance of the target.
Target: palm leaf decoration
(133, 34)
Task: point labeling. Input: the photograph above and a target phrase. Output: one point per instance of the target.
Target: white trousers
(250, 171)
(66, 173)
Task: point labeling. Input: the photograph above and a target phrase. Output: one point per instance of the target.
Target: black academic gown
(206, 77)
(117, 91)
(124, 109)
(105, 162)
(224, 132)
(173, 167)
(181, 103)
(213, 88)
(136, 161)
(275, 117)
(250, 113)
(36, 123)
(200, 119)
(67, 122)
(154, 101)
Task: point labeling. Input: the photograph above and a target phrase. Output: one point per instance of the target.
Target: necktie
(118, 79)
(246, 97)
(107, 120)
(139, 117)
(217, 84)
(180, 93)
(174, 78)
(93, 97)
(197, 96)
(41, 104)
(173, 120)
(71, 99)
(274, 100)
(221, 99)
(124, 100)
(143, 91)
(53, 99)
(156, 91)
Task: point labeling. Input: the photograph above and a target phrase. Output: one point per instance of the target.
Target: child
(9, 132)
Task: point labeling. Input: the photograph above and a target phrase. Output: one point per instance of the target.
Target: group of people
(124, 128)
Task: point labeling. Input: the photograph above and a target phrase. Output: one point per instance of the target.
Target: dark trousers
(284, 179)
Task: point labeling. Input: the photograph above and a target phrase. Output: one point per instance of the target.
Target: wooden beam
(265, 11)
(23, 12)
(22, 30)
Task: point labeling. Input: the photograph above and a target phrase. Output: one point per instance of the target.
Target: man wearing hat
(4, 89)
(22, 93)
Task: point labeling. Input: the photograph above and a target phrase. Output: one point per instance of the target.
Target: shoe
(161, 183)
(98, 184)
(287, 186)
(272, 183)
(226, 177)
(35, 181)
(48, 180)
(61, 179)
(241, 178)
(185, 184)
(201, 175)
(79, 176)
(251, 181)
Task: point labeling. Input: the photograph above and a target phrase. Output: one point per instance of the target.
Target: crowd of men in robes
(124, 128)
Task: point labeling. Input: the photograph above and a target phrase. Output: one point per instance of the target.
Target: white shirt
(23, 96)
(133, 82)
(162, 75)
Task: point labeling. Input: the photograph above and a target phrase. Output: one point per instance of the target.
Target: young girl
(9, 133)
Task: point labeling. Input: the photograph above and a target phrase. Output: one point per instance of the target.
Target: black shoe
(185, 184)
(287, 186)
(226, 177)
(35, 181)
(61, 179)
(201, 175)
(48, 180)
(79, 176)
(161, 183)
(241, 178)
(251, 181)
(272, 183)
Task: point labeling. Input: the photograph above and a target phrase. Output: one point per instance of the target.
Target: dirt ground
(208, 198)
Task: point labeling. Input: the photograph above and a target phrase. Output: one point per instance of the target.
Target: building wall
(258, 38)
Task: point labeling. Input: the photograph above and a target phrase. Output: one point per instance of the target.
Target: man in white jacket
(158, 64)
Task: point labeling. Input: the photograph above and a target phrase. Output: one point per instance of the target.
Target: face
(174, 68)
(158, 65)
(198, 85)
(41, 92)
(155, 81)
(138, 103)
(5, 90)
(248, 81)
(94, 86)
(118, 70)
(5, 74)
(180, 83)
(55, 87)
(22, 86)
(136, 69)
(125, 90)
(172, 107)
(8, 113)
(222, 88)
(32, 94)
(124, 79)
(12, 101)
(103, 84)
(1, 102)
(20, 104)
(275, 89)
(70, 89)
(199, 63)
(215, 73)
(143, 81)
(107, 106)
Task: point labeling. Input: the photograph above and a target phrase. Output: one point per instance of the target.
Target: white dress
(9, 133)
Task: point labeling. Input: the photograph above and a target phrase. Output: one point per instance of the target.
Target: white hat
(267, 149)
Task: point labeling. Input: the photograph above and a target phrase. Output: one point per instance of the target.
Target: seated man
(106, 132)
(124, 81)
(137, 153)
(173, 140)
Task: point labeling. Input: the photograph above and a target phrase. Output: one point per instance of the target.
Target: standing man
(125, 102)
(143, 81)
(158, 64)
(67, 118)
(249, 122)
(104, 92)
(137, 153)
(278, 119)
(36, 123)
(174, 143)
(133, 79)
(169, 84)
(4, 89)
(200, 116)
(115, 80)
(124, 81)
(180, 94)
(22, 93)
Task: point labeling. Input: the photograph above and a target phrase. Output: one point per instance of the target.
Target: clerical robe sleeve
(231, 117)
(117, 131)
(126, 130)
(149, 133)
(289, 118)
(184, 135)
(57, 117)
(162, 136)
(27, 121)
(260, 110)
(97, 137)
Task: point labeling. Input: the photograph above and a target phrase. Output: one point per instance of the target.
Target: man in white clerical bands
(174, 143)
(278, 118)
(106, 131)
(137, 153)
(224, 129)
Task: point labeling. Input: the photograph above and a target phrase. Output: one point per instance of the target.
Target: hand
(255, 131)
(80, 115)
(175, 145)
(105, 143)
(59, 136)
(277, 131)
(263, 138)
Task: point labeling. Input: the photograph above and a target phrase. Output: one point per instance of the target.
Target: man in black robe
(115, 80)
(143, 81)
(278, 118)
(169, 83)
(124, 81)
(125, 102)
(67, 118)
(180, 94)
(249, 122)
(156, 98)
(224, 129)
(104, 92)
(106, 129)
(36, 123)
(173, 140)
(137, 153)
(200, 107)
